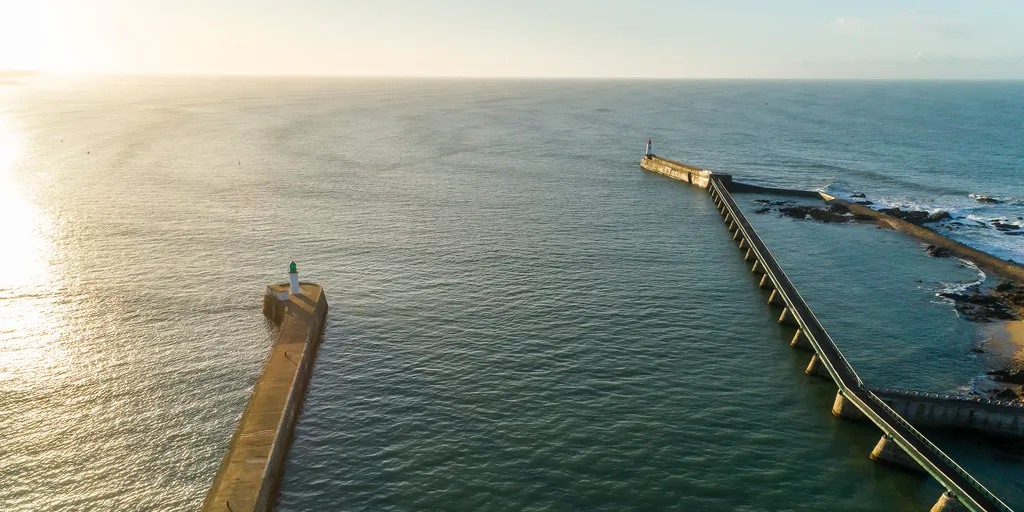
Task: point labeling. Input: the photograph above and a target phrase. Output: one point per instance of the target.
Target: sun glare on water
(26, 336)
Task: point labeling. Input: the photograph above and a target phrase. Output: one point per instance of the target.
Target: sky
(519, 38)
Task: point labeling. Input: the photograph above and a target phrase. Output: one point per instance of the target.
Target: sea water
(521, 318)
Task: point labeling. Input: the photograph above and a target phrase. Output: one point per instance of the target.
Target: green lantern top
(292, 269)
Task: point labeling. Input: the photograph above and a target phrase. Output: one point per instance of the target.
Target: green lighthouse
(293, 279)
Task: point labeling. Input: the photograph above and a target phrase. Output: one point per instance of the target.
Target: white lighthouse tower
(648, 152)
(293, 279)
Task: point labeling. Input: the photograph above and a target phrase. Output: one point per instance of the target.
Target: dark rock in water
(938, 252)
(773, 202)
(763, 210)
(1001, 226)
(865, 203)
(987, 200)
(1007, 375)
(858, 196)
(1005, 286)
(979, 307)
(916, 217)
(1005, 394)
(977, 350)
(1014, 233)
(863, 218)
(911, 217)
(833, 214)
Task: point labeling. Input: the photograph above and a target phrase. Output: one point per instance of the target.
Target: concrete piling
(889, 452)
(842, 408)
(816, 369)
(800, 341)
(948, 502)
(787, 318)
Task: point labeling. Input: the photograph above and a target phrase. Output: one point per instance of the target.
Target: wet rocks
(1006, 394)
(1011, 293)
(836, 213)
(938, 252)
(762, 211)
(987, 199)
(865, 203)
(917, 217)
(1005, 227)
(857, 196)
(981, 307)
(1008, 376)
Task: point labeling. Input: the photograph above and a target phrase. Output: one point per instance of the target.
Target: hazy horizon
(653, 39)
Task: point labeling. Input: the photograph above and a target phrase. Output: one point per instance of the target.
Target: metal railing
(850, 385)
(959, 397)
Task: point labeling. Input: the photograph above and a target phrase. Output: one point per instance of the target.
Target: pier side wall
(677, 170)
(925, 411)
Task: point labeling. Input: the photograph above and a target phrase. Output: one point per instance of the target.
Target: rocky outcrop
(938, 252)
(985, 307)
(918, 218)
(987, 200)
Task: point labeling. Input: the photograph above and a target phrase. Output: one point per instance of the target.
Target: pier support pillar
(749, 255)
(728, 218)
(743, 243)
(800, 341)
(844, 409)
(737, 234)
(766, 282)
(948, 503)
(889, 452)
(775, 299)
(758, 269)
(816, 368)
(787, 317)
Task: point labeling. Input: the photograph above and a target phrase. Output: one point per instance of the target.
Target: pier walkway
(854, 400)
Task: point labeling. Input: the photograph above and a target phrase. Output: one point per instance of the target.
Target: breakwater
(901, 443)
(983, 260)
(250, 474)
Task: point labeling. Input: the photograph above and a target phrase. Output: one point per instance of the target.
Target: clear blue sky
(536, 38)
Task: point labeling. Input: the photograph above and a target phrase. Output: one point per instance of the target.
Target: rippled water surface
(521, 319)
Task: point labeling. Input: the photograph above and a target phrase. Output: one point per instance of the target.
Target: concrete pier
(854, 400)
(250, 474)
(679, 171)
